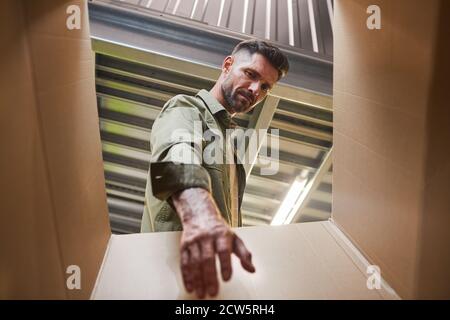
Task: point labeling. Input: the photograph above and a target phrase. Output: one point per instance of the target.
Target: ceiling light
(289, 206)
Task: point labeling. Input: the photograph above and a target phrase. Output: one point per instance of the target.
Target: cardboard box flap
(301, 261)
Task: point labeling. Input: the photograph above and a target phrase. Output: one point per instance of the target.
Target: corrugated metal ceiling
(130, 94)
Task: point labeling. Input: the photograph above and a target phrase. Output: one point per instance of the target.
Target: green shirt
(178, 147)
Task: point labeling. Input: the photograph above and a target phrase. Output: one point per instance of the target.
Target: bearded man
(202, 198)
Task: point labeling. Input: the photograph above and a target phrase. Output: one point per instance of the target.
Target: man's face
(247, 80)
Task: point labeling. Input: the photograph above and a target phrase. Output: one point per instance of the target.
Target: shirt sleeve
(177, 145)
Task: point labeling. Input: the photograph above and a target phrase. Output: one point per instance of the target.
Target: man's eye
(249, 74)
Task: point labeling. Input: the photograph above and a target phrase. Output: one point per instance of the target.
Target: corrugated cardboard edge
(358, 258)
(100, 271)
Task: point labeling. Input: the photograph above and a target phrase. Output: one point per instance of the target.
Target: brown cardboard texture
(391, 140)
(53, 208)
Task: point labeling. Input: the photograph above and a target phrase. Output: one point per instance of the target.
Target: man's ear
(227, 63)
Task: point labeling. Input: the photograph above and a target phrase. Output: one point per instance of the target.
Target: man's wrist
(191, 203)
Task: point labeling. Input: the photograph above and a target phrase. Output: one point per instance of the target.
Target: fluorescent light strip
(290, 22)
(298, 203)
(219, 20)
(287, 207)
(268, 7)
(149, 3)
(176, 7)
(244, 18)
(312, 22)
(193, 9)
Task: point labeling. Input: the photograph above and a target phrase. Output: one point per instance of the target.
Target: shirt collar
(216, 109)
(213, 105)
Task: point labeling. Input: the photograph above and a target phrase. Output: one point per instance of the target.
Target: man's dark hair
(273, 54)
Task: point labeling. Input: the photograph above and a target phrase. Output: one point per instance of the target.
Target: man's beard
(228, 96)
(233, 104)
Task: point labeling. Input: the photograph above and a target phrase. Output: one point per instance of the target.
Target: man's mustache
(248, 95)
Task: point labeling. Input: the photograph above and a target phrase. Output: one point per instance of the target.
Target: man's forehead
(257, 62)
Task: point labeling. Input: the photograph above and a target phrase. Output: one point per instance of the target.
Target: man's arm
(206, 234)
(187, 184)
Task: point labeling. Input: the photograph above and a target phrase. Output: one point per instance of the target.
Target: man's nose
(254, 88)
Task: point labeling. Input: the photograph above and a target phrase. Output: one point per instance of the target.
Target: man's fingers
(186, 271)
(198, 261)
(196, 269)
(209, 266)
(243, 254)
(223, 248)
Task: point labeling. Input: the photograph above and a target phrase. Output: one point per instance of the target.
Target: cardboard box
(391, 170)
(300, 261)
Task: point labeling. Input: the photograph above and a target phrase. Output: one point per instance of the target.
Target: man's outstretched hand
(206, 234)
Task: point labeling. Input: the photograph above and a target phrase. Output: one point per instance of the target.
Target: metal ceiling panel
(134, 82)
